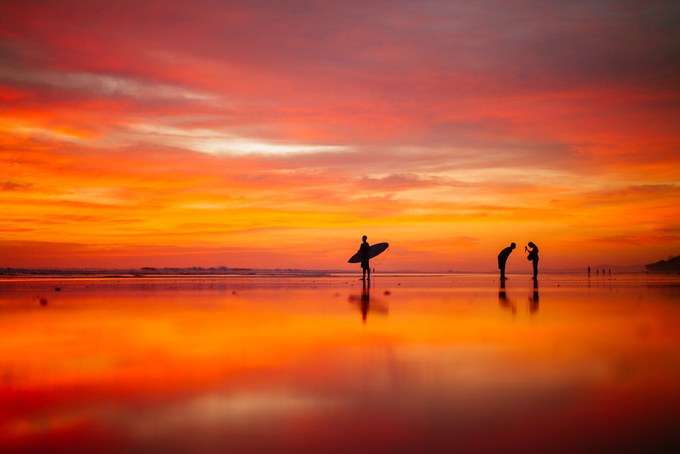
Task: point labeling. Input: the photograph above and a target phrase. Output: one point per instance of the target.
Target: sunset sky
(274, 134)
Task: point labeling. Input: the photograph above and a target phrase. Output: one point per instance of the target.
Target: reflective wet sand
(450, 363)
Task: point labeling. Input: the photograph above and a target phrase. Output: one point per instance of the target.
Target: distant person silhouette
(533, 256)
(588, 271)
(363, 252)
(503, 257)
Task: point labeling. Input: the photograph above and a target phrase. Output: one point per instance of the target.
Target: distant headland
(672, 265)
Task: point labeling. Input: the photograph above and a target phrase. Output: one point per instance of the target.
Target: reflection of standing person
(533, 256)
(533, 300)
(363, 253)
(503, 257)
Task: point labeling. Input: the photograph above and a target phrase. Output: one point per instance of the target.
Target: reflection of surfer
(366, 304)
(533, 256)
(363, 253)
(503, 257)
(365, 300)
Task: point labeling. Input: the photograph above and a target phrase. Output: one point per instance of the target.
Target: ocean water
(415, 363)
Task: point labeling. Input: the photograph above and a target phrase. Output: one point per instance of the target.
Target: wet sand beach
(416, 363)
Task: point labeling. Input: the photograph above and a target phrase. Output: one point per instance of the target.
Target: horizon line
(224, 270)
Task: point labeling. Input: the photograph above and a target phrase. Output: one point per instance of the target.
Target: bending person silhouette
(363, 252)
(503, 257)
(533, 256)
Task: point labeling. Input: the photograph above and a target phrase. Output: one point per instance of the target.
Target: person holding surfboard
(503, 257)
(364, 254)
(533, 256)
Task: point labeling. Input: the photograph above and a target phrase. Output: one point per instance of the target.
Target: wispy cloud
(13, 185)
(100, 85)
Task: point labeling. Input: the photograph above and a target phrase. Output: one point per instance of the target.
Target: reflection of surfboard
(373, 251)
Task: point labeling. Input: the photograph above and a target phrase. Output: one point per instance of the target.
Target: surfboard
(373, 251)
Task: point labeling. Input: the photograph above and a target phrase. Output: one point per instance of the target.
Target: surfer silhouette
(503, 257)
(533, 256)
(363, 252)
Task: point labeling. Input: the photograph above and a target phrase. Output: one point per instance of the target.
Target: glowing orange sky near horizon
(276, 134)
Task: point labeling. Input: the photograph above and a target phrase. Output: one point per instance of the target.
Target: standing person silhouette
(533, 256)
(503, 257)
(363, 252)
